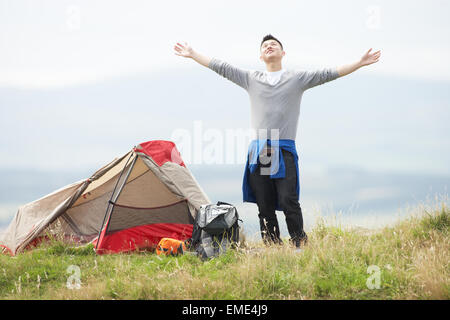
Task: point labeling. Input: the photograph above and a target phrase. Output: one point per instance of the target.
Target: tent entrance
(132, 228)
(141, 211)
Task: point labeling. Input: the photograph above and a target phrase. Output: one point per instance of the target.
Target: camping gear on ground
(169, 246)
(131, 203)
(216, 229)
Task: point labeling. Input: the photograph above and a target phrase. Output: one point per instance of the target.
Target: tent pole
(109, 202)
(113, 201)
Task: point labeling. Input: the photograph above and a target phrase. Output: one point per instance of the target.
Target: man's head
(271, 49)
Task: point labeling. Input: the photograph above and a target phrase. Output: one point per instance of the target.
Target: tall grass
(409, 260)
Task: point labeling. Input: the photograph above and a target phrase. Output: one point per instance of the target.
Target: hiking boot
(299, 242)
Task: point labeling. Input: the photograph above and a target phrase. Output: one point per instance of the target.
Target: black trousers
(267, 191)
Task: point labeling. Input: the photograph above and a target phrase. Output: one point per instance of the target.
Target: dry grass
(412, 258)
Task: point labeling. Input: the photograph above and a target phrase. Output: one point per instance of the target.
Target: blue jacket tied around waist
(277, 168)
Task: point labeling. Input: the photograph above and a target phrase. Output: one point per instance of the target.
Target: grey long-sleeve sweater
(274, 106)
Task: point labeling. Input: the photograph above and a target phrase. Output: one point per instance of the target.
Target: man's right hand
(185, 50)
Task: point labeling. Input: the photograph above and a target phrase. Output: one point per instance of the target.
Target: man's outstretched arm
(367, 58)
(236, 75)
(187, 52)
(311, 79)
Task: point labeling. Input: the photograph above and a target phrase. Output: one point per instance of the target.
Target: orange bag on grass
(168, 246)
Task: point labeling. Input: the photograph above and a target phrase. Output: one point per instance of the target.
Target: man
(271, 178)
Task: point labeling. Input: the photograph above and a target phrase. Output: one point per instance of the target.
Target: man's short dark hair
(270, 37)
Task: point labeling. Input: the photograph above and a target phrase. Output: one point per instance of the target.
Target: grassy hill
(409, 260)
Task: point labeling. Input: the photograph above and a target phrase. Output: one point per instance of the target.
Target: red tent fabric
(161, 151)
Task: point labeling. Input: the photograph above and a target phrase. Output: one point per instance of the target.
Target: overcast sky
(55, 43)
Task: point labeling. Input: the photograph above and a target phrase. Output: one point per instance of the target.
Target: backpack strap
(221, 202)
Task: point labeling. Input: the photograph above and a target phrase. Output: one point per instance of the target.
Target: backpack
(216, 228)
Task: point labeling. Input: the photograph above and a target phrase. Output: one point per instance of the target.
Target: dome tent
(130, 203)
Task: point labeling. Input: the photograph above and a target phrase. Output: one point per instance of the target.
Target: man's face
(271, 51)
